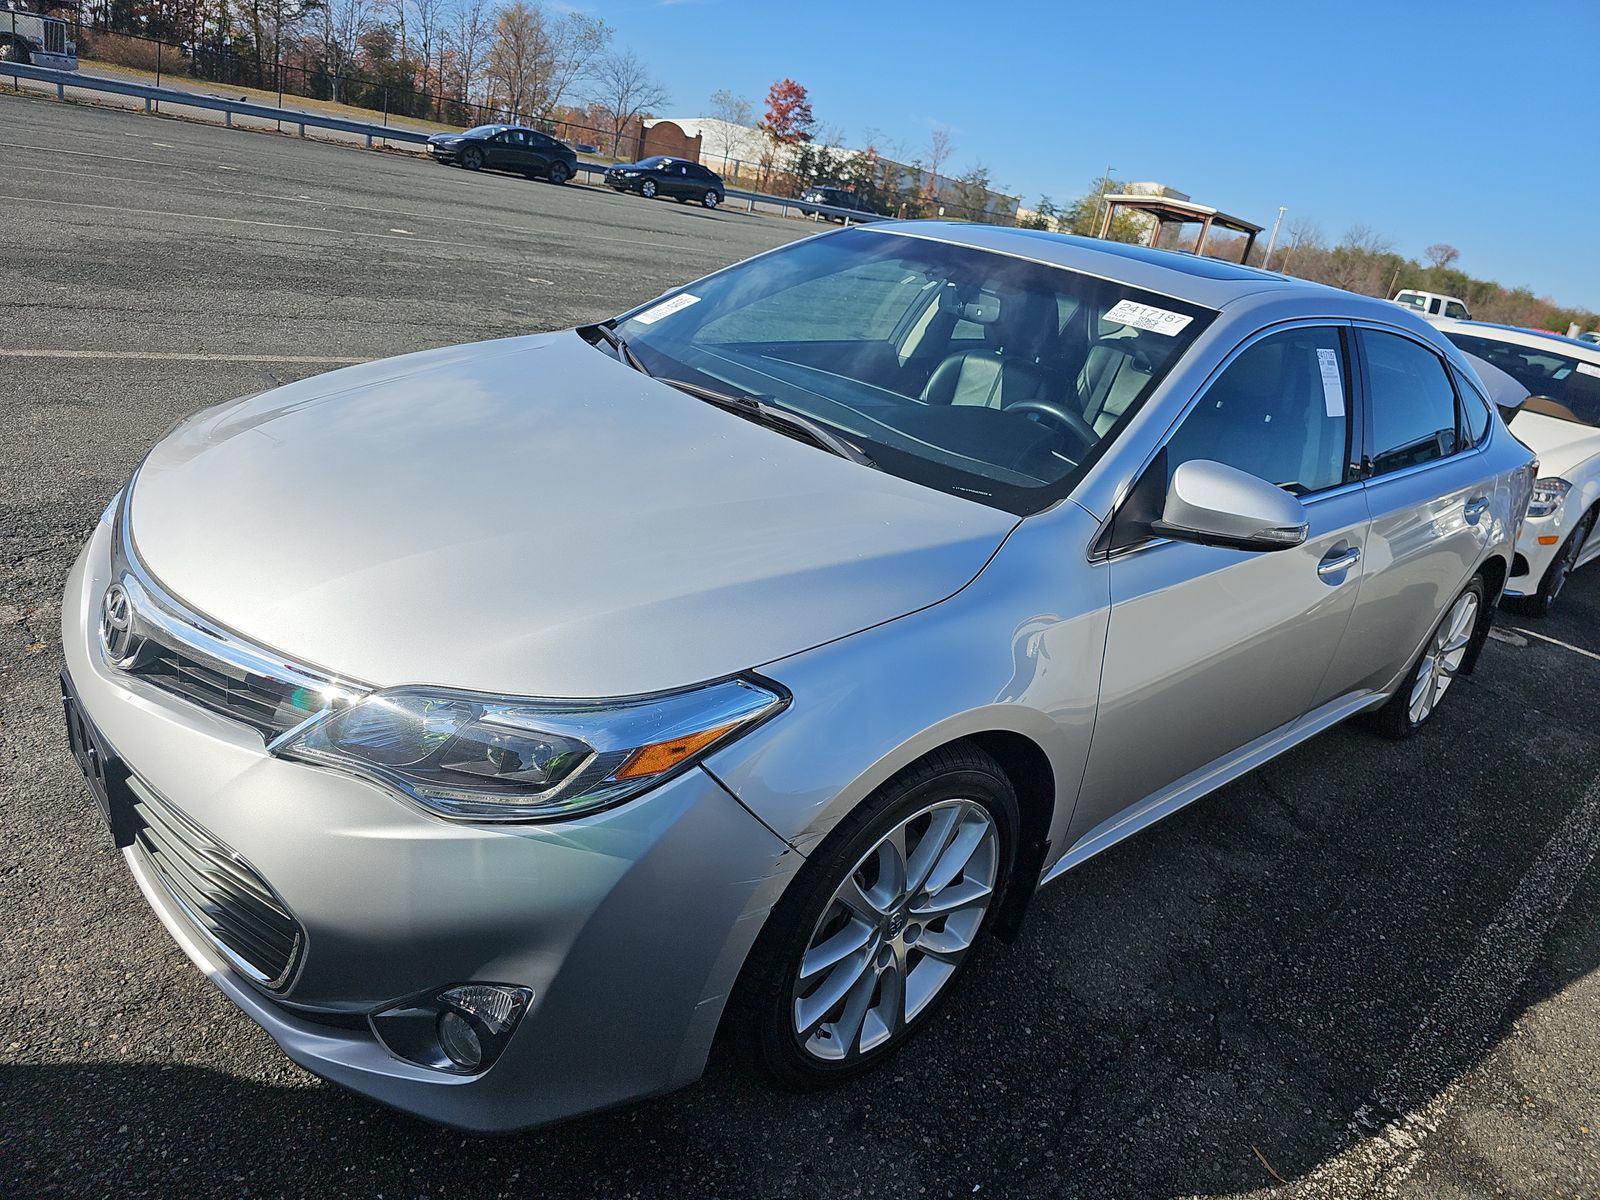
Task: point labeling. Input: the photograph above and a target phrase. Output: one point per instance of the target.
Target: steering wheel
(1065, 418)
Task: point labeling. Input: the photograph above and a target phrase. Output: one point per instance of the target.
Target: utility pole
(1266, 259)
(1105, 186)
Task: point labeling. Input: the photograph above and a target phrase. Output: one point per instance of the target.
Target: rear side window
(1412, 400)
(1279, 411)
(1457, 312)
(1474, 410)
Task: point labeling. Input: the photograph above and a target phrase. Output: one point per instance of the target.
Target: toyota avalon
(499, 725)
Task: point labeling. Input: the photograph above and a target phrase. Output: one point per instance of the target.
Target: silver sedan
(498, 725)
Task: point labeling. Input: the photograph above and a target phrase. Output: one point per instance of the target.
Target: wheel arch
(1495, 570)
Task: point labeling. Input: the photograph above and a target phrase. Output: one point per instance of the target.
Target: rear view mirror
(1217, 505)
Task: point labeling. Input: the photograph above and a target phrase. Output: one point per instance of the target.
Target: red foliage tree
(788, 118)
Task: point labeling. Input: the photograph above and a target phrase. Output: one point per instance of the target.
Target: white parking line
(1556, 642)
(163, 356)
(1390, 1129)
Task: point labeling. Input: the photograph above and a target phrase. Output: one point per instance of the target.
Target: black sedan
(507, 148)
(663, 176)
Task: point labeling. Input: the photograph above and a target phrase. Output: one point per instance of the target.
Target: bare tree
(514, 59)
(465, 37)
(426, 17)
(1441, 254)
(624, 89)
(576, 42)
(344, 24)
(941, 145)
(737, 114)
(537, 57)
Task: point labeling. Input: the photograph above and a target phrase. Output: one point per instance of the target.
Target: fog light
(459, 1041)
(461, 1029)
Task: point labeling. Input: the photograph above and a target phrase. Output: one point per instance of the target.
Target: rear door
(1211, 648)
(1430, 496)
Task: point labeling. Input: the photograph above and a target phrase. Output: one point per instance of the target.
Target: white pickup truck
(31, 37)
(1433, 306)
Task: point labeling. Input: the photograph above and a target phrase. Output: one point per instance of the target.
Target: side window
(1456, 312)
(1474, 410)
(1279, 411)
(1413, 403)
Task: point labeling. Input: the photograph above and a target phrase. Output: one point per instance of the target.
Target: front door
(1209, 648)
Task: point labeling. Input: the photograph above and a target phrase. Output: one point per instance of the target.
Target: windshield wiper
(757, 409)
(746, 405)
(616, 341)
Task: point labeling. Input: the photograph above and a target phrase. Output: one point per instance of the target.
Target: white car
(1560, 422)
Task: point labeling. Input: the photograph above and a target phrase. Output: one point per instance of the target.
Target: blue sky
(1474, 122)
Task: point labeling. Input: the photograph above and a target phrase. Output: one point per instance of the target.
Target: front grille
(221, 895)
(269, 705)
(55, 37)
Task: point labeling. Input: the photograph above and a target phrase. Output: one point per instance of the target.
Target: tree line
(458, 61)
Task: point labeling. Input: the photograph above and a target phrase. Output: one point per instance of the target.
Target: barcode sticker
(1332, 384)
(1588, 369)
(666, 308)
(1148, 317)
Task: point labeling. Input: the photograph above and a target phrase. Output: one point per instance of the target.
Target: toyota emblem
(116, 626)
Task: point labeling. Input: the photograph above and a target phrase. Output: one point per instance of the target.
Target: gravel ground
(1368, 969)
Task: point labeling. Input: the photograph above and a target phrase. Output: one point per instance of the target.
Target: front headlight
(483, 758)
(1547, 496)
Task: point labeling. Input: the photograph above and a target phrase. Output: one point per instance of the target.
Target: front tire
(647, 189)
(871, 936)
(1560, 569)
(15, 53)
(1430, 677)
(472, 158)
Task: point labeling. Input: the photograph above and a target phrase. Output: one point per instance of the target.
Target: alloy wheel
(894, 931)
(648, 189)
(1442, 660)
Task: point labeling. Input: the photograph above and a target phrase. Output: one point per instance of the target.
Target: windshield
(1559, 385)
(983, 375)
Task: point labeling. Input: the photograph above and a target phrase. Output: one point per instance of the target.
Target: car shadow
(1225, 991)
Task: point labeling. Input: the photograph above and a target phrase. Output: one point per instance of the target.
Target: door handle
(1475, 508)
(1337, 562)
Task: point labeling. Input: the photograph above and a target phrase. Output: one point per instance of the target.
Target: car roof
(1210, 282)
(1532, 338)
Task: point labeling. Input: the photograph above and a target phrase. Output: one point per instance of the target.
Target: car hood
(1560, 445)
(532, 517)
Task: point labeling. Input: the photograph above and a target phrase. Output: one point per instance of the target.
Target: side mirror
(1217, 505)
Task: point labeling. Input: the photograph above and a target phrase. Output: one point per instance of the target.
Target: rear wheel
(871, 936)
(472, 158)
(1560, 570)
(559, 173)
(711, 199)
(1418, 698)
(647, 189)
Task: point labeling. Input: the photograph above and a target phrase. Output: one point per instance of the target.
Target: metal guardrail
(383, 133)
(229, 108)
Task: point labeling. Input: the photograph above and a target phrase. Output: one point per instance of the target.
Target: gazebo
(1165, 211)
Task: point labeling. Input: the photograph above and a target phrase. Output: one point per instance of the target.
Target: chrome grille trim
(187, 655)
(223, 897)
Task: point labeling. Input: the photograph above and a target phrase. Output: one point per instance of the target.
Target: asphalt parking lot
(1369, 969)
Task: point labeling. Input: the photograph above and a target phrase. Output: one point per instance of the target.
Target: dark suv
(663, 176)
(833, 197)
(507, 148)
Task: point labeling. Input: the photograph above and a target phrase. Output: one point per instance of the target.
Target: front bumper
(630, 926)
(1532, 559)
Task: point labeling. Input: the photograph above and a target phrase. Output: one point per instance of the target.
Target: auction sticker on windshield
(666, 308)
(1148, 317)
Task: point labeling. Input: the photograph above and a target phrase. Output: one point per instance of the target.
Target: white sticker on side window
(1588, 369)
(1148, 317)
(666, 308)
(1332, 384)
